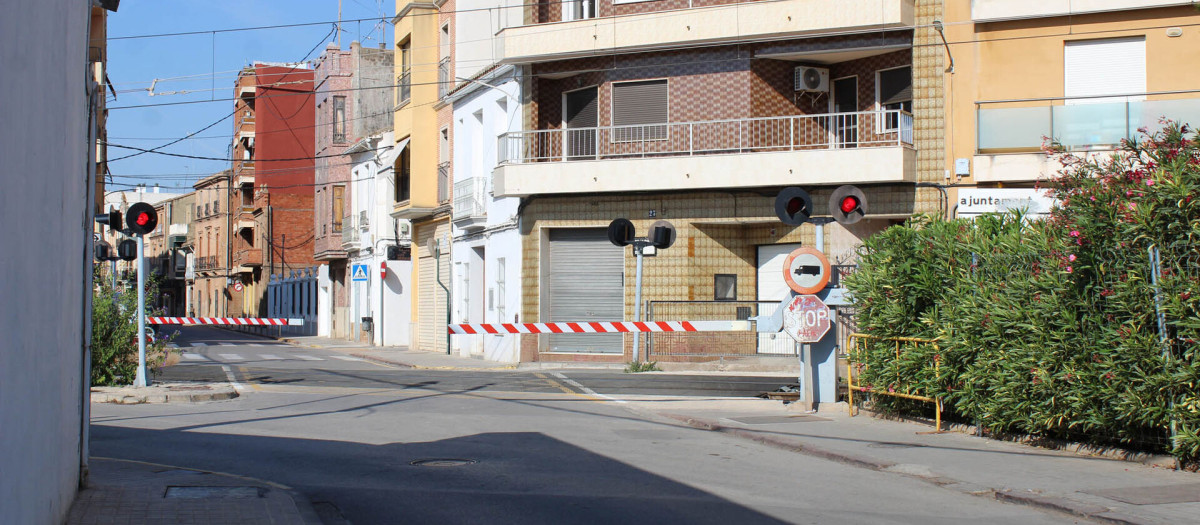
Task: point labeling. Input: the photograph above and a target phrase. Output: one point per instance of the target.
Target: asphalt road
(390, 445)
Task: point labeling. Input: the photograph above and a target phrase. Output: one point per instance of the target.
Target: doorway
(845, 109)
(580, 118)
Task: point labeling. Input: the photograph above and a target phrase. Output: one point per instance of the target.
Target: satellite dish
(432, 246)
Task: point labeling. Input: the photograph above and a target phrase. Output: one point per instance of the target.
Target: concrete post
(140, 380)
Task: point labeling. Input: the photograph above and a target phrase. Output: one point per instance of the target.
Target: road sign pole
(140, 380)
(637, 298)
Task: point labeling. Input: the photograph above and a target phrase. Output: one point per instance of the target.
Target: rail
(865, 129)
(859, 357)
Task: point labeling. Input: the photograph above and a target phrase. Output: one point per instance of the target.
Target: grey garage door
(585, 282)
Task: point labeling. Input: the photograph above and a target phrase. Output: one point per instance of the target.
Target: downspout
(438, 261)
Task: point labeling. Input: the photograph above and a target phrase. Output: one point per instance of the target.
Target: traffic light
(127, 250)
(142, 219)
(793, 206)
(103, 251)
(847, 204)
(662, 234)
(620, 232)
(112, 219)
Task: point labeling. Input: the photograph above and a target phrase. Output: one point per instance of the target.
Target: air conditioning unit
(812, 79)
(363, 220)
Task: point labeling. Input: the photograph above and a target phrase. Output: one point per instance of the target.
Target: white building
(486, 251)
(379, 288)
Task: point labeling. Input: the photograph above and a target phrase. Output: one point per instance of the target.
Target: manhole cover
(894, 445)
(235, 492)
(443, 462)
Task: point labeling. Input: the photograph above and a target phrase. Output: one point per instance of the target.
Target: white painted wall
(490, 294)
(324, 301)
(476, 22)
(47, 281)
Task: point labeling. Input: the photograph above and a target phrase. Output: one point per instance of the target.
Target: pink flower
(1093, 199)
(1071, 257)
(1132, 205)
(1074, 233)
(1069, 269)
(1149, 182)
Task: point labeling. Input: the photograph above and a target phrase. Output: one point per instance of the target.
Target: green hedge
(1049, 327)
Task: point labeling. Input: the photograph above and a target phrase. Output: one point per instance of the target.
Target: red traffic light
(141, 218)
(144, 218)
(849, 204)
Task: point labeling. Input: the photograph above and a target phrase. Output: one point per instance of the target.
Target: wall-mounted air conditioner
(812, 79)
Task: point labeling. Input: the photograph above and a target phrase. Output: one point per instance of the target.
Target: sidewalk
(131, 492)
(1103, 489)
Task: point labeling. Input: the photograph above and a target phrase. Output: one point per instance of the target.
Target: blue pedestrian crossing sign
(358, 272)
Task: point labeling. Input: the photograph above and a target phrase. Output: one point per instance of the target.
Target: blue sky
(188, 63)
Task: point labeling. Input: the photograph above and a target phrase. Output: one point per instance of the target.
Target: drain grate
(234, 492)
(442, 462)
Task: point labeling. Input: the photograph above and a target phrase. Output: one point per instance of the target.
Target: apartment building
(424, 35)
(1086, 74)
(274, 140)
(353, 100)
(699, 114)
(167, 250)
(212, 290)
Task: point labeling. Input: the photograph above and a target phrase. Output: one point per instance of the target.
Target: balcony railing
(866, 129)
(248, 257)
(443, 183)
(208, 263)
(1004, 126)
(468, 199)
(445, 82)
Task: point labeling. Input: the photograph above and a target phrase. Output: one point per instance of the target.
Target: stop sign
(806, 319)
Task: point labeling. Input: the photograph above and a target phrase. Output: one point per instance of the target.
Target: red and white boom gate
(226, 321)
(599, 327)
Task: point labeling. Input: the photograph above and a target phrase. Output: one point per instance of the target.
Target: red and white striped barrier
(599, 327)
(238, 321)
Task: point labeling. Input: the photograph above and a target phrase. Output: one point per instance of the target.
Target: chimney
(155, 187)
(383, 45)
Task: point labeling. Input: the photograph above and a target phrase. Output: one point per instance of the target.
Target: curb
(303, 505)
(166, 396)
(1060, 505)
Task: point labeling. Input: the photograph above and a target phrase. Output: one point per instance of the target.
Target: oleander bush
(1050, 327)
(114, 335)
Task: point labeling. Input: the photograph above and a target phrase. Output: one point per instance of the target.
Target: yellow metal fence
(857, 362)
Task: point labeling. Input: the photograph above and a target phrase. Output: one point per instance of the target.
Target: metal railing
(865, 129)
(207, 263)
(1078, 123)
(468, 198)
(350, 233)
(443, 183)
(898, 371)
(445, 81)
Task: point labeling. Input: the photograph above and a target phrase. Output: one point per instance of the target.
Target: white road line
(346, 358)
(226, 344)
(229, 375)
(231, 357)
(585, 389)
(199, 344)
(193, 357)
(307, 357)
(270, 357)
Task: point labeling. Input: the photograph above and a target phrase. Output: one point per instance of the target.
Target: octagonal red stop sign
(806, 319)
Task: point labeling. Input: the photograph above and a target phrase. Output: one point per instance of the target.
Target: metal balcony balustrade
(445, 82)
(208, 263)
(443, 183)
(404, 86)
(469, 199)
(864, 129)
(1078, 123)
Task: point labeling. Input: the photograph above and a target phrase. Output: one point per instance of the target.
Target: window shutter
(1114, 66)
(895, 85)
(636, 103)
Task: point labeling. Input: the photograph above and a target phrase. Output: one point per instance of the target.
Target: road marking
(346, 358)
(556, 384)
(270, 357)
(232, 380)
(199, 344)
(230, 357)
(226, 344)
(586, 390)
(308, 357)
(193, 357)
(242, 370)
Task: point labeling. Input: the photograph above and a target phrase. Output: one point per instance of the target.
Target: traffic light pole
(637, 297)
(141, 311)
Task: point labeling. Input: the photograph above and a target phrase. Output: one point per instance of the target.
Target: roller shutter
(585, 282)
(431, 299)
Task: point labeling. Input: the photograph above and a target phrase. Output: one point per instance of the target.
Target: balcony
(470, 212)
(834, 148)
(710, 25)
(443, 183)
(211, 262)
(243, 173)
(445, 81)
(1009, 133)
(247, 259)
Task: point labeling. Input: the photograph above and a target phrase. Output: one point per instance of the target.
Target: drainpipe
(437, 257)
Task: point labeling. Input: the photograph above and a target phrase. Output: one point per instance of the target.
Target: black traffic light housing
(141, 219)
(793, 206)
(112, 219)
(847, 204)
(620, 232)
(102, 251)
(127, 250)
(662, 234)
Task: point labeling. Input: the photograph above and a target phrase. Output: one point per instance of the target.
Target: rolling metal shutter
(581, 108)
(585, 282)
(771, 287)
(431, 299)
(1113, 66)
(642, 102)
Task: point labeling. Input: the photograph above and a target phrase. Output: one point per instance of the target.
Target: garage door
(431, 299)
(771, 287)
(585, 282)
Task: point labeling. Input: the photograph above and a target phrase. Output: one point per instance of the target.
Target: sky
(202, 67)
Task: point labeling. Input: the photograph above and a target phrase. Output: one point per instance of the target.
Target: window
(339, 119)
(894, 92)
(579, 9)
(1111, 66)
(500, 289)
(445, 81)
(725, 287)
(339, 196)
(404, 81)
(216, 206)
(206, 210)
(403, 176)
(637, 104)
